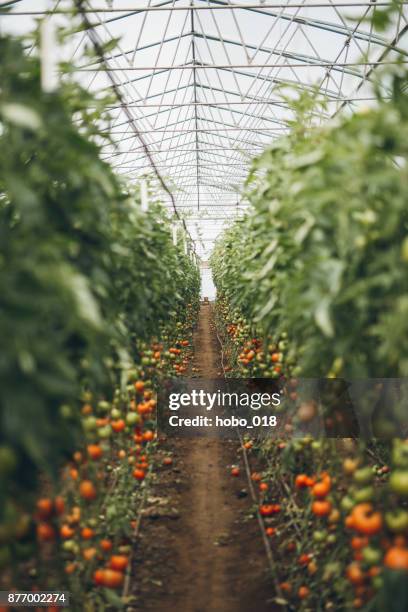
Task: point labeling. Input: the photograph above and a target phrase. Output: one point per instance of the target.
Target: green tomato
(347, 503)
(66, 411)
(404, 250)
(8, 460)
(87, 397)
(69, 546)
(115, 413)
(363, 475)
(89, 423)
(331, 570)
(104, 432)
(399, 482)
(133, 375)
(132, 418)
(320, 536)
(103, 407)
(400, 454)
(371, 555)
(377, 582)
(397, 520)
(364, 495)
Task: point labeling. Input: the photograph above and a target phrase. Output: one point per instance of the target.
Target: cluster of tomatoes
(85, 524)
(89, 526)
(252, 355)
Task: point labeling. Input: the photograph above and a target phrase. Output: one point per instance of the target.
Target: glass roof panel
(202, 81)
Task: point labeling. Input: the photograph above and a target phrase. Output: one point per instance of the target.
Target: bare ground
(199, 550)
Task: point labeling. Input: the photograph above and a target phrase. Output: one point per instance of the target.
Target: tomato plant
(312, 282)
(94, 295)
(322, 253)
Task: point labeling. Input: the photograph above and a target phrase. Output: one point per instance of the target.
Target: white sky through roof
(204, 83)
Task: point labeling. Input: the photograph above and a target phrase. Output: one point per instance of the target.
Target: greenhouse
(200, 201)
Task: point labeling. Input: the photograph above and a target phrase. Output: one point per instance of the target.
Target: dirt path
(199, 551)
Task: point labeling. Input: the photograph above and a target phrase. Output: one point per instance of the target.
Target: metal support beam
(193, 50)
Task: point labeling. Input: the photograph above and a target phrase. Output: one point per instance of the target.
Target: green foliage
(84, 273)
(322, 253)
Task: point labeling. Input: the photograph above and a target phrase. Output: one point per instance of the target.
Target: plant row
(92, 288)
(334, 509)
(322, 255)
(312, 282)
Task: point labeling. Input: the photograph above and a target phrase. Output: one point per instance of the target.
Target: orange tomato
(94, 451)
(365, 520)
(266, 509)
(321, 489)
(59, 505)
(87, 533)
(86, 409)
(108, 578)
(89, 553)
(45, 508)
(301, 481)
(45, 532)
(358, 542)
(87, 490)
(106, 545)
(73, 472)
(70, 568)
(139, 386)
(118, 425)
(148, 436)
(98, 576)
(139, 474)
(305, 559)
(118, 562)
(66, 532)
(355, 574)
(321, 508)
(303, 592)
(396, 558)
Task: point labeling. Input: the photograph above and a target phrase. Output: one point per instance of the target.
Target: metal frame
(212, 88)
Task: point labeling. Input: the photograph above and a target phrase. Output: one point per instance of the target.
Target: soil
(200, 549)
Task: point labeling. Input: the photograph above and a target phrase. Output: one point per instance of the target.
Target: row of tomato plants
(322, 255)
(335, 510)
(312, 282)
(86, 524)
(95, 297)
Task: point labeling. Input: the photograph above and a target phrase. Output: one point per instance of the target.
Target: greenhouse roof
(203, 82)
